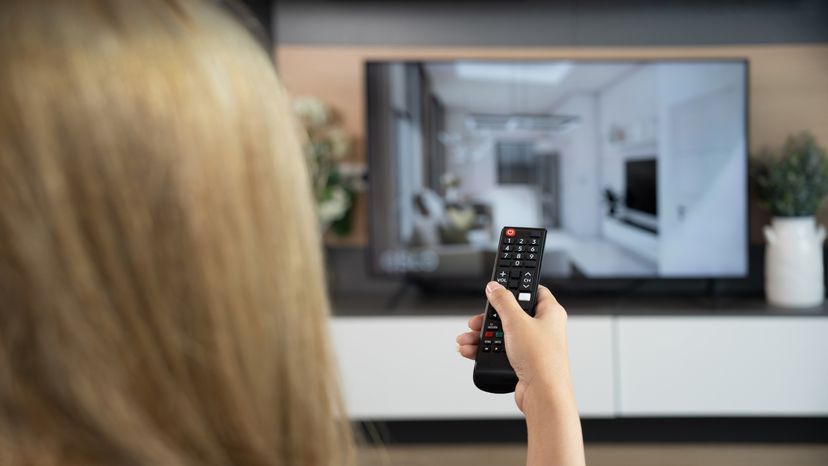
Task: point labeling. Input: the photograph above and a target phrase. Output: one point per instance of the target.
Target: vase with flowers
(327, 147)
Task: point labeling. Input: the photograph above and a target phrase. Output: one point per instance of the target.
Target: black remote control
(517, 267)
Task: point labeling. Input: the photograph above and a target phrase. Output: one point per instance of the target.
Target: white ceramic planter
(793, 262)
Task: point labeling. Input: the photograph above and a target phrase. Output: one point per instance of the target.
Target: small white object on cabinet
(793, 262)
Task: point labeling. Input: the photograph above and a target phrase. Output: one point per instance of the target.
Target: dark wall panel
(564, 22)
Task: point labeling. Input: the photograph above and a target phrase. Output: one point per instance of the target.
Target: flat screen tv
(637, 168)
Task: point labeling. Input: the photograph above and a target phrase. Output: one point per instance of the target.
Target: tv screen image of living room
(635, 168)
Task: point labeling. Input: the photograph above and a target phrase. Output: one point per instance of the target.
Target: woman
(160, 272)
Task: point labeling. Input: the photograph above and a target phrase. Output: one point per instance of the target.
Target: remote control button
(521, 241)
(530, 263)
(532, 249)
(533, 241)
(492, 326)
(525, 297)
(510, 232)
(488, 334)
(519, 248)
(517, 263)
(497, 349)
(530, 256)
(498, 342)
(499, 334)
(506, 255)
(493, 315)
(535, 233)
(504, 263)
(530, 274)
(508, 247)
(487, 349)
(487, 342)
(508, 240)
(515, 273)
(502, 277)
(513, 284)
(526, 305)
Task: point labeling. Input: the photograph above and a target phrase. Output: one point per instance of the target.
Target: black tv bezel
(599, 282)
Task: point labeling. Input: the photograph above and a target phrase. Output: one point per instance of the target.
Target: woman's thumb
(505, 304)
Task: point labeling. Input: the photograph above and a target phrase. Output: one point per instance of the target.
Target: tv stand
(398, 295)
(711, 289)
(630, 358)
(636, 224)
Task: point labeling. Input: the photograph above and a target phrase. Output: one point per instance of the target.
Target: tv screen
(637, 168)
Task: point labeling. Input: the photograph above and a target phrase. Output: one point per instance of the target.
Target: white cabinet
(590, 340)
(633, 366)
(408, 368)
(723, 366)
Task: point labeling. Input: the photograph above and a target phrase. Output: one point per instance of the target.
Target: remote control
(517, 267)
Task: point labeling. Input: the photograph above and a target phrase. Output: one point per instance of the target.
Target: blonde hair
(160, 271)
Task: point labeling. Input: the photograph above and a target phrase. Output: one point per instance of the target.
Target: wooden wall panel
(788, 86)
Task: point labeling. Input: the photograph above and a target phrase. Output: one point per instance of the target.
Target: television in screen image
(641, 188)
(637, 168)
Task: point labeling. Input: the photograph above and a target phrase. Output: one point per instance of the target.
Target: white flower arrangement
(311, 112)
(335, 183)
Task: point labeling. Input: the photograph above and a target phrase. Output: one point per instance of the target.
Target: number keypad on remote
(516, 268)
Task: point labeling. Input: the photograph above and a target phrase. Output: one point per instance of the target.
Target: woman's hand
(536, 347)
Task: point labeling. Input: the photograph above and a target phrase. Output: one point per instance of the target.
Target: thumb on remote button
(505, 303)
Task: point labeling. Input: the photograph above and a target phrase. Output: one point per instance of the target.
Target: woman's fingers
(467, 342)
(468, 338)
(468, 351)
(545, 296)
(476, 322)
(547, 304)
(506, 305)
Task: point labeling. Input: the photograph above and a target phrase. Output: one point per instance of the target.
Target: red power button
(510, 232)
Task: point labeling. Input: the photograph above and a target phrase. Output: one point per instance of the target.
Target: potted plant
(792, 182)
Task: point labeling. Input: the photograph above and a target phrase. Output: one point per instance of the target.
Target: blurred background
(651, 138)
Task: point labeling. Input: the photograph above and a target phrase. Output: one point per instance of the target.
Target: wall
(629, 101)
(544, 23)
(321, 46)
(405, 83)
(702, 186)
(580, 187)
(694, 111)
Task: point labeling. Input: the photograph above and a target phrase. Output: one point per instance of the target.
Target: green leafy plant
(793, 180)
